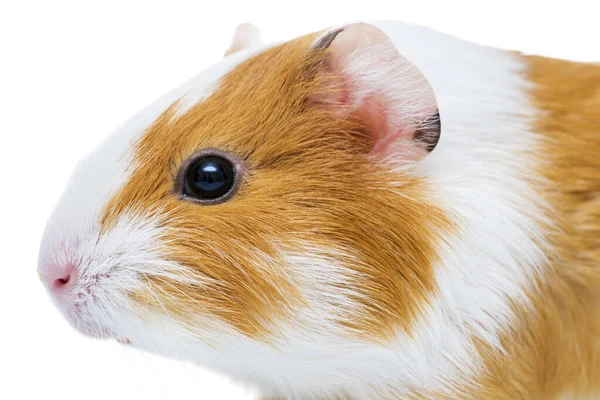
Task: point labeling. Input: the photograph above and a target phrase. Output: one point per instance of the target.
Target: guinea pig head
(271, 205)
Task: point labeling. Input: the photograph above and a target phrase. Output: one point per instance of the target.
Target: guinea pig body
(405, 215)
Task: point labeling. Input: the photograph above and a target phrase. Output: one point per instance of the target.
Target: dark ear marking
(429, 135)
(325, 41)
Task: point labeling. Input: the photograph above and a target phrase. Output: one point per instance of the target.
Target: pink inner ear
(385, 131)
(375, 116)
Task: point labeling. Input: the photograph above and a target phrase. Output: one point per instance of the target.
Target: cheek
(226, 271)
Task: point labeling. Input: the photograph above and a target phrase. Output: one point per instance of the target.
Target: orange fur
(310, 181)
(554, 349)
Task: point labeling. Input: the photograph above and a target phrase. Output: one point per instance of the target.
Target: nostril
(62, 281)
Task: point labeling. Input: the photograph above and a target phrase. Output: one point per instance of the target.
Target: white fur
(480, 174)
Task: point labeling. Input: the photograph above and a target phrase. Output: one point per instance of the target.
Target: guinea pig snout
(59, 279)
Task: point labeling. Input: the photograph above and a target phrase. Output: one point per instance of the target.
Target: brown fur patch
(554, 349)
(310, 183)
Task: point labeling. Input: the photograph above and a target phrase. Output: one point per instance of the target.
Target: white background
(72, 71)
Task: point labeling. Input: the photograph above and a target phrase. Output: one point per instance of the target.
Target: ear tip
(325, 40)
(247, 29)
(351, 36)
(245, 36)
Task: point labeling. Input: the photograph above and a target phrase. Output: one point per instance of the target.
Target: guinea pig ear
(246, 36)
(367, 79)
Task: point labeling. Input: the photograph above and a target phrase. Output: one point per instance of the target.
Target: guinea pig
(374, 211)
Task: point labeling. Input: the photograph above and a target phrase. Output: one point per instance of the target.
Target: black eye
(209, 177)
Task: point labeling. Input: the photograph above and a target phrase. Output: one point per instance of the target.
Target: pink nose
(59, 279)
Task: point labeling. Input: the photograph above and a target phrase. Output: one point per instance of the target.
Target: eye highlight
(209, 177)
